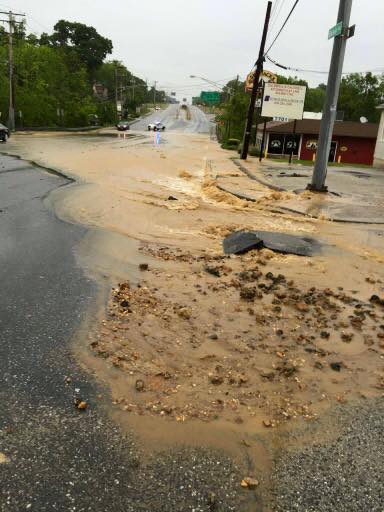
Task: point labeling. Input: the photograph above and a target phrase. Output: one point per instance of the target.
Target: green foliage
(231, 144)
(131, 88)
(314, 99)
(359, 96)
(292, 80)
(54, 76)
(252, 150)
(44, 84)
(85, 41)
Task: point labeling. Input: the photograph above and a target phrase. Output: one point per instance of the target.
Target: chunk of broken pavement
(242, 241)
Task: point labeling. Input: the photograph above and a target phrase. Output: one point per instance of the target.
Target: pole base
(313, 188)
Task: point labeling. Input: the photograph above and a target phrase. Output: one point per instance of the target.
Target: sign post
(332, 94)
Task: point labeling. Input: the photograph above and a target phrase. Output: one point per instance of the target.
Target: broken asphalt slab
(242, 241)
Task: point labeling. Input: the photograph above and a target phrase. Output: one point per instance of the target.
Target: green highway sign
(210, 97)
(337, 30)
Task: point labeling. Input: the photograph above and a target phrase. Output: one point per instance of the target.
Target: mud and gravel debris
(248, 343)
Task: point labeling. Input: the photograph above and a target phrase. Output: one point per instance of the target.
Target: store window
(283, 144)
(276, 144)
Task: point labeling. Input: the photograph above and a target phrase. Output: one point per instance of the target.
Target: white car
(156, 127)
(157, 108)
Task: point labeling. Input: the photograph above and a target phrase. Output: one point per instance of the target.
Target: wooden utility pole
(116, 93)
(154, 93)
(11, 109)
(293, 142)
(133, 89)
(256, 79)
(263, 141)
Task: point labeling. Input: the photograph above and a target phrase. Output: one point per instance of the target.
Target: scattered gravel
(343, 475)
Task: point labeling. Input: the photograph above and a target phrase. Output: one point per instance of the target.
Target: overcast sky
(168, 40)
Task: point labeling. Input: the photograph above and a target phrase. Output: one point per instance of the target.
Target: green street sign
(337, 30)
(210, 97)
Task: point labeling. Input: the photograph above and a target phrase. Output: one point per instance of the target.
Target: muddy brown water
(121, 194)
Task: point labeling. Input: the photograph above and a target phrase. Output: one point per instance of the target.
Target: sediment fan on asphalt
(228, 338)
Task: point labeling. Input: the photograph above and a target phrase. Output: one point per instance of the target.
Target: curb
(253, 177)
(236, 194)
(345, 221)
(50, 170)
(291, 210)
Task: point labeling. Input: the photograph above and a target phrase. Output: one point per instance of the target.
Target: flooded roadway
(124, 193)
(174, 119)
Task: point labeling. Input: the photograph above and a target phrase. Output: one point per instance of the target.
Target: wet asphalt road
(199, 123)
(53, 456)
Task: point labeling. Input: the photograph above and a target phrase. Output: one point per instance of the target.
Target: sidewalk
(355, 194)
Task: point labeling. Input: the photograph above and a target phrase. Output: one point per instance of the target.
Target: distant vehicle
(122, 126)
(157, 108)
(4, 133)
(93, 120)
(156, 127)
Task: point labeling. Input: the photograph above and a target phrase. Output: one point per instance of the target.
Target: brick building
(352, 142)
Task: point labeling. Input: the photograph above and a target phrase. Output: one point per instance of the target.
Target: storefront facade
(352, 143)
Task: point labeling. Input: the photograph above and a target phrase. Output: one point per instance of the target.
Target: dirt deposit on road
(254, 341)
(227, 338)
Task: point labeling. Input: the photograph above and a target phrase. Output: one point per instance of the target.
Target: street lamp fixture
(219, 86)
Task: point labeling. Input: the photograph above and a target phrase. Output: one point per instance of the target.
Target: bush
(252, 150)
(230, 144)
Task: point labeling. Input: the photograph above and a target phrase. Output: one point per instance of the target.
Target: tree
(85, 41)
(131, 89)
(54, 76)
(314, 99)
(45, 87)
(360, 94)
(292, 80)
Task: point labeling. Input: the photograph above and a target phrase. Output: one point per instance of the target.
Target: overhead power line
(320, 72)
(282, 27)
(277, 14)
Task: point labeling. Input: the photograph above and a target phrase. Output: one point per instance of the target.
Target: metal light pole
(342, 33)
(216, 84)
